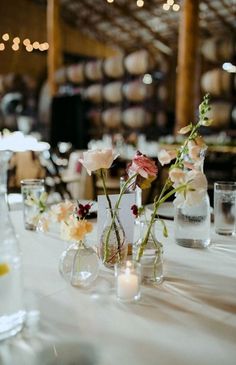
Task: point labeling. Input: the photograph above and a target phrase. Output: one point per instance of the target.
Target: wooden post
(187, 60)
(54, 60)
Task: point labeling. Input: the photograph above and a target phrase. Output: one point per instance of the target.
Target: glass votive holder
(128, 280)
(31, 190)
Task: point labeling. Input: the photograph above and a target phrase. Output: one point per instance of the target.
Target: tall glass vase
(113, 247)
(192, 222)
(4, 160)
(12, 309)
(151, 259)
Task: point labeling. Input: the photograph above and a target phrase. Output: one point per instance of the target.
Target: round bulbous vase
(79, 264)
(151, 259)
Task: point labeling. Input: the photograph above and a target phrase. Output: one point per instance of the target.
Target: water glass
(225, 207)
(128, 279)
(31, 190)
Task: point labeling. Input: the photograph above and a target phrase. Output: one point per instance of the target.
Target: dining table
(188, 319)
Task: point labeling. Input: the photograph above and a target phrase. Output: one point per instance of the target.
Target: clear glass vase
(4, 160)
(79, 264)
(192, 224)
(151, 259)
(12, 308)
(113, 247)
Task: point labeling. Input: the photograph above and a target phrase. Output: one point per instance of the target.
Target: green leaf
(165, 230)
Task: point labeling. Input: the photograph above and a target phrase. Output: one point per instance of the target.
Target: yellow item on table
(4, 269)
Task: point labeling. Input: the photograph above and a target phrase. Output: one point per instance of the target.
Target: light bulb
(5, 37)
(36, 45)
(16, 40)
(2, 46)
(29, 48)
(176, 7)
(170, 2)
(15, 47)
(140, 3)
(26, 42)
(166, 7)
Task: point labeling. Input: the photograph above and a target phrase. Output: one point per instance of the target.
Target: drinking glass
(225, 207)
(31, 190)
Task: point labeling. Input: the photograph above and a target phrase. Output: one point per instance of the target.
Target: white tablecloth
(189, 319)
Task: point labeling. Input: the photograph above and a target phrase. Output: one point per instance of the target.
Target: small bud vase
(113, 247)
(79, 264)
(151, 259)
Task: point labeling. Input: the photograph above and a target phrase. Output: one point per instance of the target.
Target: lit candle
(128, 281)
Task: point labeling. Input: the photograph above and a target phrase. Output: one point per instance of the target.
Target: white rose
(94, 160)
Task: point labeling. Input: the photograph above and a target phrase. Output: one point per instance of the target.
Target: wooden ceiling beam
(219, 16)
(124, 10)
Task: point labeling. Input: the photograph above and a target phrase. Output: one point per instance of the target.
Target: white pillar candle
(127, 285)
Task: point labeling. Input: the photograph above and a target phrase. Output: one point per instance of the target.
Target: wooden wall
(26, 19)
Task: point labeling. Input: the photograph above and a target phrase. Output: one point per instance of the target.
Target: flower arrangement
(72, 217)
(186, 180)
(142, 171)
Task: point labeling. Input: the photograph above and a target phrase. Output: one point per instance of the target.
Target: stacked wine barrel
(117, 89)
(218, 82)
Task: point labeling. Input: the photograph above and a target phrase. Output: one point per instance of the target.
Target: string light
(176, 7)
(26, 42)
(36, 45)
(166, 6)
(15, 47)
(29, 48)
(140, 3)
(6, 37)
(16, 40)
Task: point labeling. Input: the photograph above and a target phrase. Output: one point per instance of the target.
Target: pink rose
(94, 160)
(166, 156)
(143, 166)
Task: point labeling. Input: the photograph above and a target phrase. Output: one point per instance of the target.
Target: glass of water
(225, 207)
(31, 190)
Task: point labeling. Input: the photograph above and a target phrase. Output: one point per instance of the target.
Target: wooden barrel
(95, 117)
(61, 76)
(136, 117)
(94, 93)
(137, 91)
(112, 117)
(139, 62)
(217, 82)
(221, 113)
(114, 66)
(216, 49)
(75, 73)
(112, 92)
(93, 70)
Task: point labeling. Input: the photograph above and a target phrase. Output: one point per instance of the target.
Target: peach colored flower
(94, 160)
(63, 210)
(176, 175)
(185, 130)
(75, 230)
(194, 190)
(166, 156)
(194, 150)
(143, 166)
